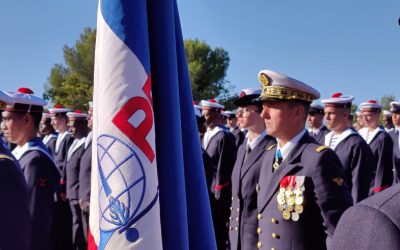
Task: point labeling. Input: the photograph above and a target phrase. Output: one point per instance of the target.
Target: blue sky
(347, 46)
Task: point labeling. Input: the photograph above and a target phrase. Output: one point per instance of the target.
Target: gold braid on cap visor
(284, 93)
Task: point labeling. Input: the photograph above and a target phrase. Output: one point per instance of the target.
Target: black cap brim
(246, 100)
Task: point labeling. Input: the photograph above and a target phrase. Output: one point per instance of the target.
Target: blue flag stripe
(128, 20)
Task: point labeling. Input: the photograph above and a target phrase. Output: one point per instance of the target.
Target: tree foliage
(207, 69)
(386, 100)
(72, 84)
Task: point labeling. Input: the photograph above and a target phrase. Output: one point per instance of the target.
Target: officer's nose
(265, 113)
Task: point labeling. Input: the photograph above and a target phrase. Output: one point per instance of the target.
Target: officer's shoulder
(4, 157)
(270, 147)
(387, 201)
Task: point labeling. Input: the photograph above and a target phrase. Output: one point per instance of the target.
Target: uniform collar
(252, 144)
(285, 150)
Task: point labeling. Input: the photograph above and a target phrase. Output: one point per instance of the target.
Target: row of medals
(290, 202)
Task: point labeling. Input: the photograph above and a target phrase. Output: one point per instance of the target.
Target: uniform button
(230, 208)
(275, 236)
(259, 216)
(259, 244)
(259, 230)
(236, 228)
(273, 248)
(238, 200)
(237, 209)
(232, 198)
(230, 228)
(273, 220)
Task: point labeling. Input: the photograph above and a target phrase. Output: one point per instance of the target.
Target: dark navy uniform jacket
(325, 198)
(85, 172)
(371, 224)
(60, 155)
(50, 142)
(221, 152)
(320, 137)
(239, 136)
(15, 225)
(358, 164)
(42, 179)
(382, 149)
(396, 155)
(72, 169)
(243, 218)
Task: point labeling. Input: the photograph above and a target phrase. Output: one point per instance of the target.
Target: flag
(148, 184)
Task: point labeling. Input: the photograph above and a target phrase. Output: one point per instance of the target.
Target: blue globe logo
(122, 187)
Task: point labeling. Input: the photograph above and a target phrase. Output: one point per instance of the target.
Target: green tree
(207, 70)
(72, 84)
(386, 100)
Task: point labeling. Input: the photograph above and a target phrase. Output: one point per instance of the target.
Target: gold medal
(282, 190)
(286, 214)
(295, 216)
(297, 191)
(298, 209)
(275, 166)
(299, 200)
(289, 192)
(290, 208)
(281, 199)
(280, 207)
(290, 201)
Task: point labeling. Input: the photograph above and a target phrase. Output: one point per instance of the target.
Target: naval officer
(301, 191)
(245, 174)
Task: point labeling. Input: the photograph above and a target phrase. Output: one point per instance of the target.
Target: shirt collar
(285, 150)
(252, 144)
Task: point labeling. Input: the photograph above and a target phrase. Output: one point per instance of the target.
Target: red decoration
(213, 101)
(242, 94)
(372, 101)
(195, 102)
(59, 106)
(78, 111)
(336, 95)
(25, 91)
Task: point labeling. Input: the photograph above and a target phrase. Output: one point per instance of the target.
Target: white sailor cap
(371, 105)
(316, 108)
(22, 101)
(58, 109)
(395, 107)
(276, 86)
(90, 104)
(247, 96)
(338, 100)
(46, 115)
(211, 104)
(77, 114)
(387, 113)
(229, 114)
(196, 105)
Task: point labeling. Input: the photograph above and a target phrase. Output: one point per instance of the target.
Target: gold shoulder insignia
(338, 181)
(3, 156)
(271, 147)
(321, 148)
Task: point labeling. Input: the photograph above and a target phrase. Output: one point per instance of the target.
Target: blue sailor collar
(369, 135)
(77, 143)
(34, 144)
(47, 138)
(88, 140)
